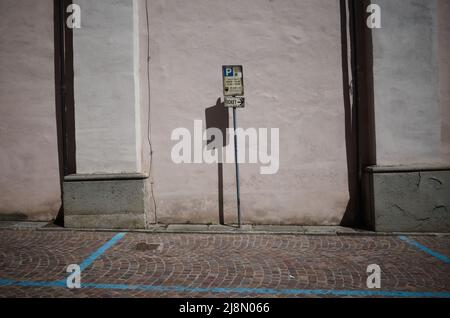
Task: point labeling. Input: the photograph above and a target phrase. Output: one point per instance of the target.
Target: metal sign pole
(233, 91)
(237, 169)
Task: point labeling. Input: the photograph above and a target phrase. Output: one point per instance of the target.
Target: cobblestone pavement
(33, 264)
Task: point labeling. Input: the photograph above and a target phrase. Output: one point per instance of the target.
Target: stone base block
(107, 201)
(408, 199)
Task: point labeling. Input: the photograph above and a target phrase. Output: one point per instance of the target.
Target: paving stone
(230, 260)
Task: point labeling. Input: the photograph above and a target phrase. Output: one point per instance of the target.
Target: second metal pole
(237, 169)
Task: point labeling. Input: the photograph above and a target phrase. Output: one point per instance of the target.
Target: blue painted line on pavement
(91, 259)
(260, 291)
(439, 256)
(8, 282)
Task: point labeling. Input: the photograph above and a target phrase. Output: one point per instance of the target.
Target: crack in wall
(440, 208)
(436, 183)
(409, 214)
(419, 180)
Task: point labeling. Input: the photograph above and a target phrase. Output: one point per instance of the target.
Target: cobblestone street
(33, 264)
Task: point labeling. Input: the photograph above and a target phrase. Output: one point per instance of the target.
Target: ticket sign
(233, 80)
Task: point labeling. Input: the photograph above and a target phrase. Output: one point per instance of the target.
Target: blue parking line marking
(238, 290)
(8, 282)
(439, 256)
(91, 259)
(220, 290)
(268, 291)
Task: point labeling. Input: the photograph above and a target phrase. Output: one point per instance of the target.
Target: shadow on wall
(217, 117)
(359, 104)
(357, 75)
(64, 96)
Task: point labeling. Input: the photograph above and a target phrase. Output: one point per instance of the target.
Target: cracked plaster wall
(414, 201)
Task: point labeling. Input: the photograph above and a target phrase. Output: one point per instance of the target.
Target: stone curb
(223, 230)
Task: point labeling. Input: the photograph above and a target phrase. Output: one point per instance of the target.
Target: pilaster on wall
(111, 186)
(407, 188)
(408, 116)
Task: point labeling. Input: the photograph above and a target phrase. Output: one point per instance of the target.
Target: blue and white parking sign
(233, 80)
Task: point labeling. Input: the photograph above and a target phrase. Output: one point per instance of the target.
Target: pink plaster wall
(29, 172)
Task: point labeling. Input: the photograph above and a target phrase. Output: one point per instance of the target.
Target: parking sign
(233, 80)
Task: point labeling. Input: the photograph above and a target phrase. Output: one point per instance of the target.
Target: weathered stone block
(108, 202)
(409, 201)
